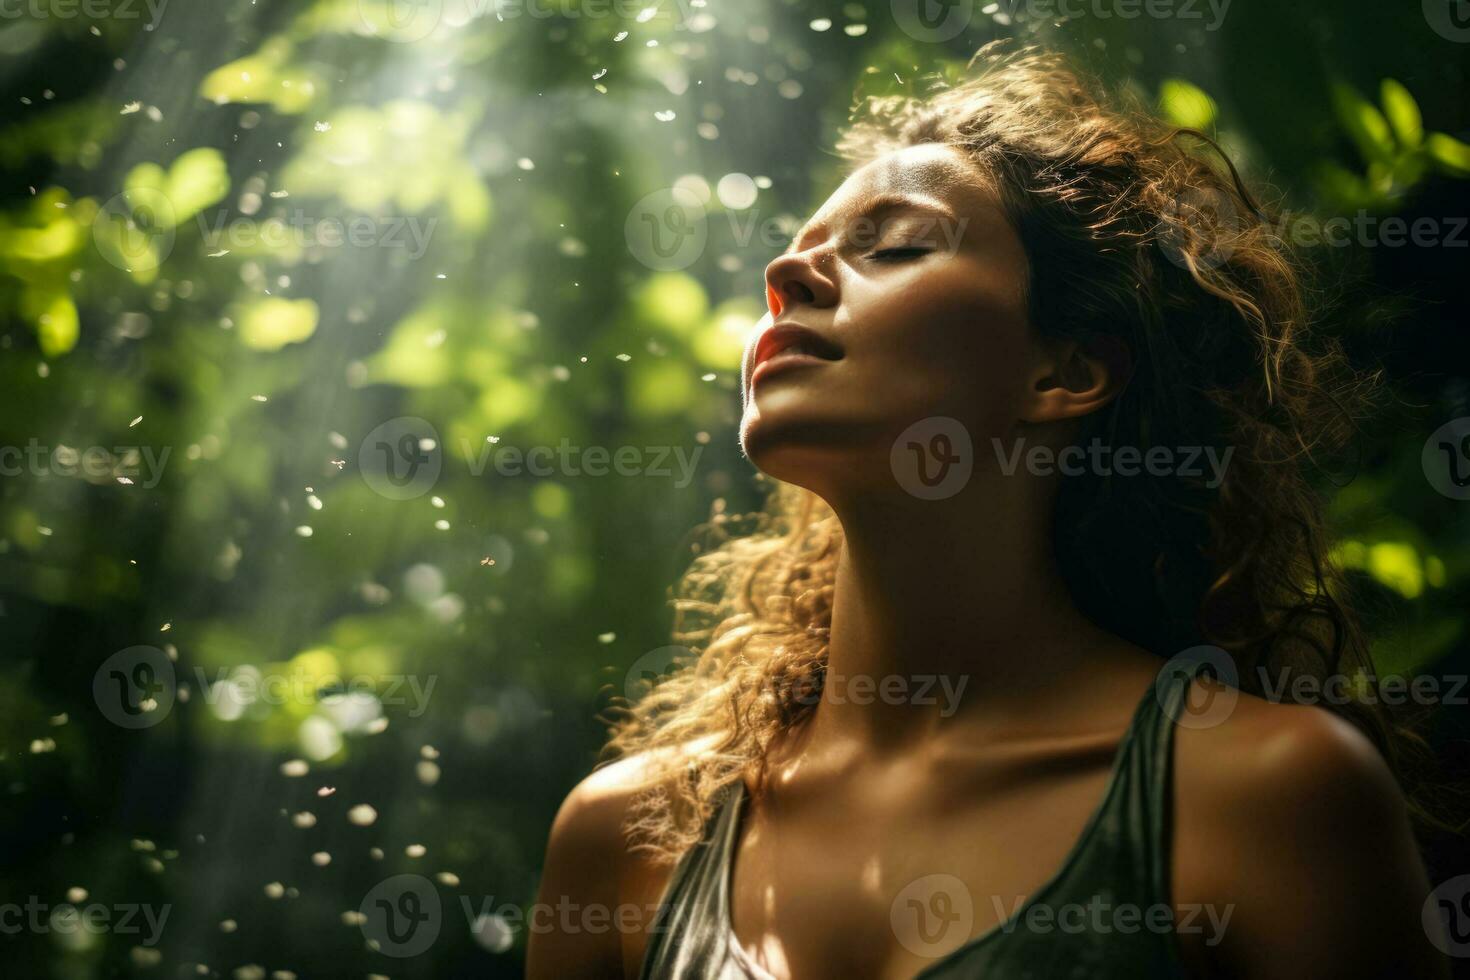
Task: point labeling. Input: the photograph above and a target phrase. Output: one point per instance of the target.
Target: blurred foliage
(237, 240)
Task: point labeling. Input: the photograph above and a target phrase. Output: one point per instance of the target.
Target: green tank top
(1105, 915)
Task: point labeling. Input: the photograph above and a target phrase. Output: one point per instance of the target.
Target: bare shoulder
(1290, 826)
(597, 895)
(1265, 762)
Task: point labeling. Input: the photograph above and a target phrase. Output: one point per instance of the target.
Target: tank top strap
(1149, 771)
(689, 937)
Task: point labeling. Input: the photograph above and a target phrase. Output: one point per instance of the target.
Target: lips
(780, 345)
(791, 338)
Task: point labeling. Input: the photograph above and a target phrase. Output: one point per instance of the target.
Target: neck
(958, 598)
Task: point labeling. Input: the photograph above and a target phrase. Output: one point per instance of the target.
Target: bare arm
(580, 876)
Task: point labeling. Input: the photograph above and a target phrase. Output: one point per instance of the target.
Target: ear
(1077, 377)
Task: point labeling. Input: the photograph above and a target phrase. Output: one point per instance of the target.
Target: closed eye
(900, 253)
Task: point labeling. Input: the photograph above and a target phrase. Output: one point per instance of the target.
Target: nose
(797, 278)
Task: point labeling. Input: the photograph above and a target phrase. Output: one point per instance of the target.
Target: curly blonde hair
(1131, 233)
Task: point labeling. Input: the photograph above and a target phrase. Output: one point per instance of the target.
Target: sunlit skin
(1284, 815)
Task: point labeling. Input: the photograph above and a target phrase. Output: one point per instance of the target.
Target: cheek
(958, 351)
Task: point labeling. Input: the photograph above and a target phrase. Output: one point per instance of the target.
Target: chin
(819, 455)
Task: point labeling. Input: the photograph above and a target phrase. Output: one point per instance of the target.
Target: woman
(928, 733)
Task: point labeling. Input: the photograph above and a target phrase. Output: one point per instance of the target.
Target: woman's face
(912, 284)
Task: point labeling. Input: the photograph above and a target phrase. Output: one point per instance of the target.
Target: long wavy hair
(1134, 230)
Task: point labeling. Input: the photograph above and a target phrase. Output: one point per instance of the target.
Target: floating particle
(599, 74)
(42, 745)
(228, 925)
(295, 768)
(135, 421)
(441, 524)
(526, 163)
(326, 791)
(144, 956)
(314, 502)
(855, 30)
(130, 107)
(259, 398)
(707, 377)
(606, 637)
(322, 127)
(304, 819)
(415, 850)
(620, 35)
(304, 531)
(448, 878)
(362, 815)
(321, 859)
(646, 14)
(76, 895)
(353, 918)
(821, 24)
(376, 853)
(437, 501)
(275, 890)
(428, 772)
(493, 933)
(625, 358)
(665, 115)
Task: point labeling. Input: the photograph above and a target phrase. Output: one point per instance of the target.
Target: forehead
(930, 174)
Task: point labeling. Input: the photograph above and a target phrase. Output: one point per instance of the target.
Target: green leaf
(1403, 113)
(1364, 123)
(1451, 155)
(1185, 104)
(196, 180)
(55, 318)
(273, 322)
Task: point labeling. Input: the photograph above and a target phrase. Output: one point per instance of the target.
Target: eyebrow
(878, 205)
